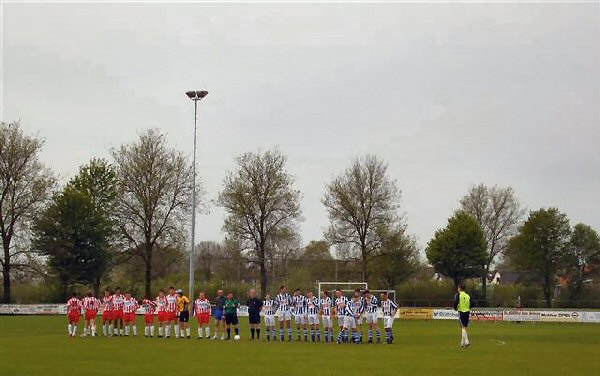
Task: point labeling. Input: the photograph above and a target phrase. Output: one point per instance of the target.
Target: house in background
(428, 272)
(507, 277)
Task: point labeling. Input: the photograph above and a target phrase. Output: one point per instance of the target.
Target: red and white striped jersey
(90, 303)
(130, 305)
(74, 305)
(161, 304)
(107, 303)
(172, 303)
(118, 300)
(150, 306)
(201, 306)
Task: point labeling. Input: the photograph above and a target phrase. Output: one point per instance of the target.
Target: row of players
(173, 310)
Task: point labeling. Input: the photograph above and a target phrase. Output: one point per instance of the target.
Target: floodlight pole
(195, 96)
(193, 242)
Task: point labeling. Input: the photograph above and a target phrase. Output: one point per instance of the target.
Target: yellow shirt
(183, 302)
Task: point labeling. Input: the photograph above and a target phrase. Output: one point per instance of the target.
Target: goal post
(391, 294)
(344, 286)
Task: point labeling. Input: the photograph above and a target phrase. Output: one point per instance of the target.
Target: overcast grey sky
(449, 94)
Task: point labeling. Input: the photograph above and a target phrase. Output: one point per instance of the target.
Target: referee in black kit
(254, 306)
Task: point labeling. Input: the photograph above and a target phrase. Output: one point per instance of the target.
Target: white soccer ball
(237, 337)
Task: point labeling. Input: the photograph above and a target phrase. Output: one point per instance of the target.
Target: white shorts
(371, 317)
(388, 321)
(341, 320)
(285, 316)
(350, 322)
(327, 322)
(359, 320)
(300, 319)
(269, 320)
(313, 319)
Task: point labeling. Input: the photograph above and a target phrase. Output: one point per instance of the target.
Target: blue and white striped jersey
(312, 305)
(269, 307)
(389, 307)
(371, 304)
(340, 305)
(299, 305)
(325, 304)
(349, 310)
(358, 306)
(284, 302)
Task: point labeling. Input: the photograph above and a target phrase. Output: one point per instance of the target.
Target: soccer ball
(237, 337)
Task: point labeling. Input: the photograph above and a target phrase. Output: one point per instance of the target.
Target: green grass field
(40, 346)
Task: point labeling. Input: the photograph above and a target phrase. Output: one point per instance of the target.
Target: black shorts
(184, 316)
(231, 319)
(254, 318)
(463, 317)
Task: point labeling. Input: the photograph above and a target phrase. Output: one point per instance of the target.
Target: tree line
(127, 218)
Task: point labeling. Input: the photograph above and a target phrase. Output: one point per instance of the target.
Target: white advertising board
(445, 314)
(560, 316)
(590, 316)
(521, 315)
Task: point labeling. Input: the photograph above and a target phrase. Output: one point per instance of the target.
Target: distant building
(428, 273)
(507, 277)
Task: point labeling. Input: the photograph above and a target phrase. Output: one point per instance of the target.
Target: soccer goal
(391, 294)
(346, 287)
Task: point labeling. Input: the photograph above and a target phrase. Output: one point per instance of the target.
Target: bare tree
(154, 201)
(233, 264)
(208, 254)
(259, 200)
(359, 202)
(498, 213)
(282, 247)
(25, 184)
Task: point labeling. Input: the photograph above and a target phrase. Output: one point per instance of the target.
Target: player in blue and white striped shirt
(358, 306)
(326, 307)
(371, 312)
(299, 310)
(341, 302)
(284, 302)
(349, 324)
(269, 307)
(312, 304)
(389, 308)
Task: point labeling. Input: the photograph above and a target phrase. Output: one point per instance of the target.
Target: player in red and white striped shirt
(172, 311)
(130, 305)
(150, 306)
(73, 314)
(107, 314)
(161, 309)
(202, 312)
(118, 300)
(91, 306)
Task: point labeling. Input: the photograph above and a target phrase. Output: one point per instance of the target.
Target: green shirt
(231, 306)
(463, 303)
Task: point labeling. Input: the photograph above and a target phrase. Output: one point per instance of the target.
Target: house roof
(508, 277)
